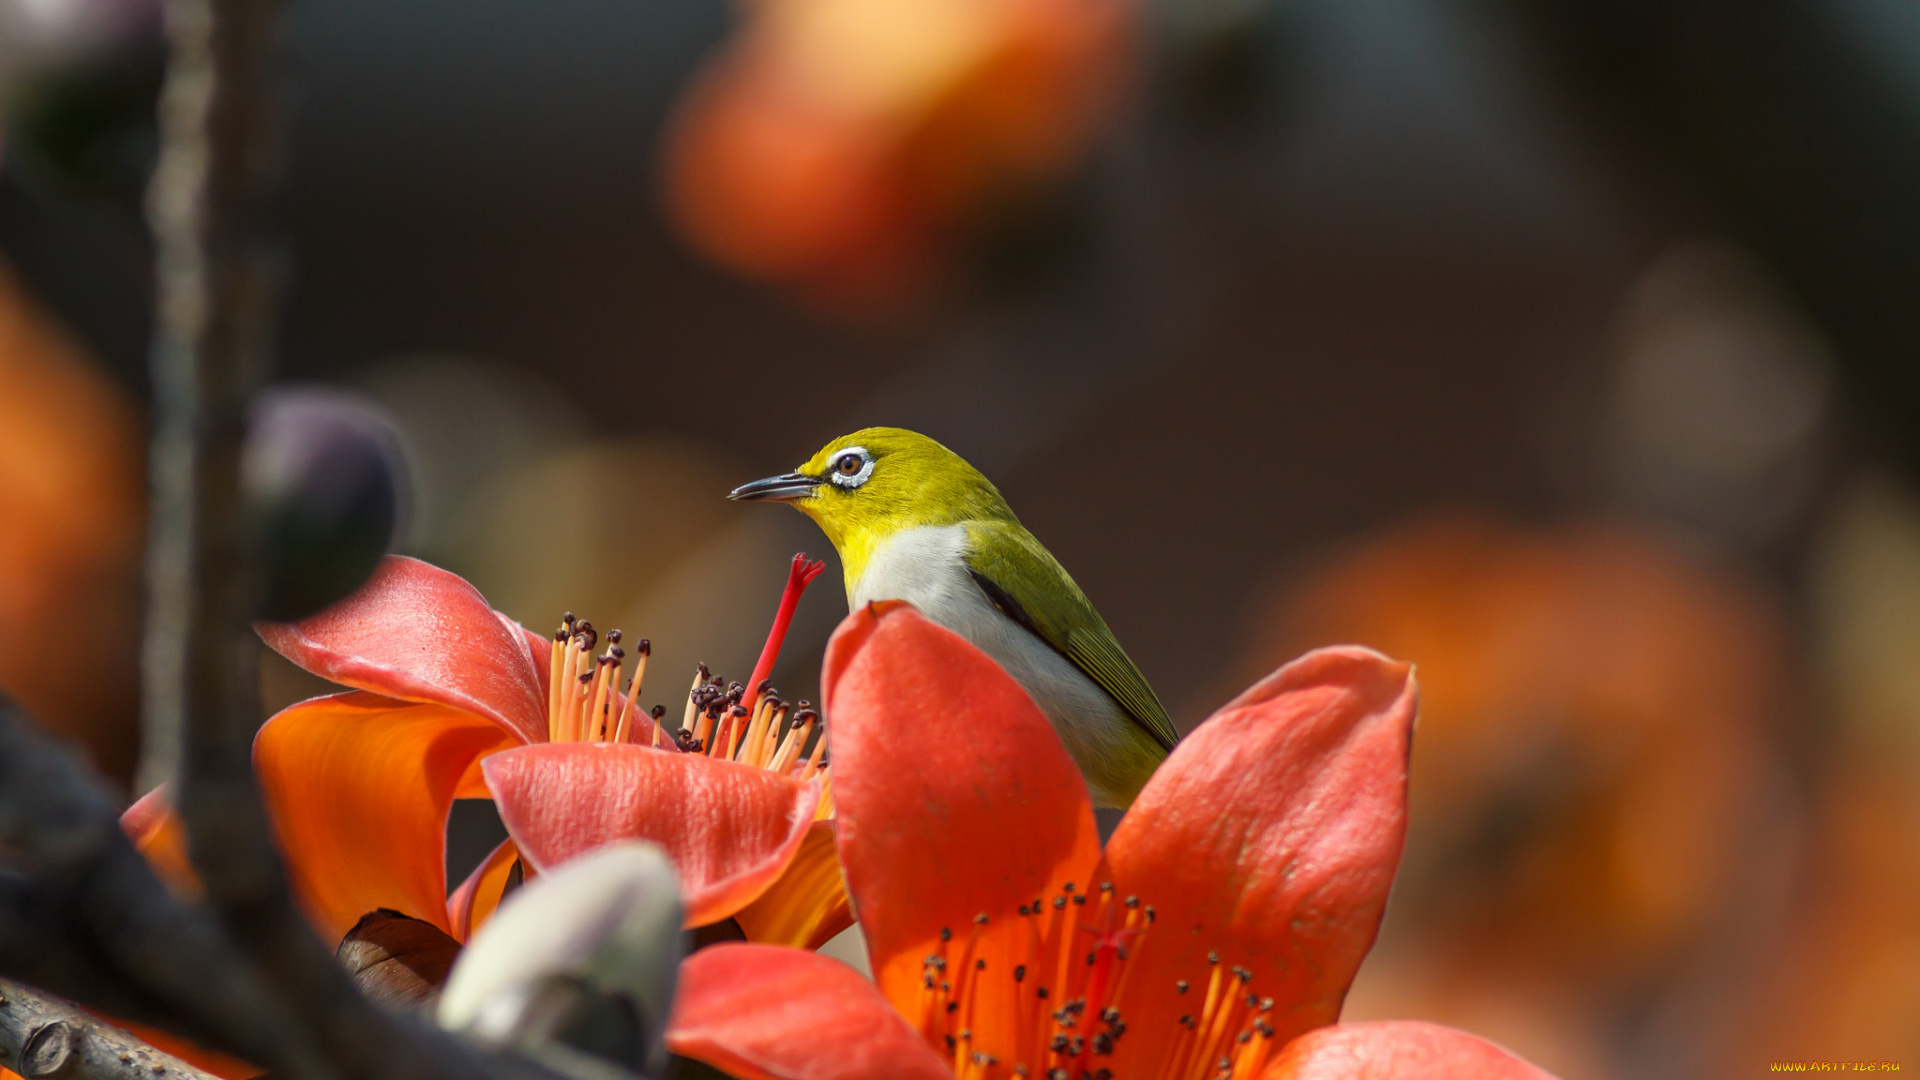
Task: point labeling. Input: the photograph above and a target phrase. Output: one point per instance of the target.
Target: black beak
(785, 488)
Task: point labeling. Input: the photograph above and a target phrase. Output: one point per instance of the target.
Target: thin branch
(42, 1036)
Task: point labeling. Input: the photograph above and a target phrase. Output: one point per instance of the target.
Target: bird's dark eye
(849, 464)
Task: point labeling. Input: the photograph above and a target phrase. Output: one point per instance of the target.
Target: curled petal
(760, 1012)
(473, 903)
(955, 798)
(808, 905)
(157, 834)
(730, 829)
(358, 787)
(1397, 1050)
(1270, 835)
(418, 633)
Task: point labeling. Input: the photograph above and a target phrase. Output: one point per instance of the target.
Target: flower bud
(327, 481)
(586, 957)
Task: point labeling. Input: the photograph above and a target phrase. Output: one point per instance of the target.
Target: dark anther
(979, 965)
(1103, 1044)
(1025, 911)
(1181, 986)
(1058, 1045)
(1244, 1037)
(1213, 958)
(1106, 886)
(1059, 902)
(950, 1042)
(1079, 898)
(1266, 1004)
(1110, 1016)
(953, 1006)
(1091, 957)
(613, 636)
(645, 647)
(1150, 913)
(1133, 901)
(980, 919)
(1041, 993)
(946, 934)
(1186, 1020)
(659, 712)
(1019, 972)
(1067, 888)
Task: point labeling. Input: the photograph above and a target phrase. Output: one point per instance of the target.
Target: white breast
(927, 568)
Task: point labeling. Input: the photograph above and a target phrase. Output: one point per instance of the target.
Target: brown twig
(42, 1036)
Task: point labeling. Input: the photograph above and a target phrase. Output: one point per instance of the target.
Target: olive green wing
(1029, 586)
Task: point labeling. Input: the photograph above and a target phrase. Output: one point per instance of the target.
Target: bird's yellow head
(864, 487)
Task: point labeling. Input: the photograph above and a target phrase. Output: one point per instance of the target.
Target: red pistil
(799, 576)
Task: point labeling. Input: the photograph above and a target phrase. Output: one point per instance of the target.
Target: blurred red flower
(839, 145)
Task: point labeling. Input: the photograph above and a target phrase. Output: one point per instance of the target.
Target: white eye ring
(850, 481)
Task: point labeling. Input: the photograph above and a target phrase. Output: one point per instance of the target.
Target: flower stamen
(1065, 994)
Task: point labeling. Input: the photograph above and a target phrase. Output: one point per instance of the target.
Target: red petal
(761, 1012)
(417, 633)
(539, 654)
(729, 828)
(1271, 835)
(1397, 1050)
(808, 905)
(955, 798)
(359, 787)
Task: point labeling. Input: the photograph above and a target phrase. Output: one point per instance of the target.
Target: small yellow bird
(913, 521)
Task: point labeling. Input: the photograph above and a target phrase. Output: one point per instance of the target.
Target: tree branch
(42, 1036)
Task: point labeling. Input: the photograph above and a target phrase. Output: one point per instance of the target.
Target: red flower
(1214, 937)
(455, 700)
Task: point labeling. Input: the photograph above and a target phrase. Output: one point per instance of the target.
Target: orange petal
(730, 829)
(473, 903)
(808, 905)
(359, 787)
(418, 633)
(1397, 1050)
(761, 1012)
(156, 833)
(1270, 834)
(955, 797)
